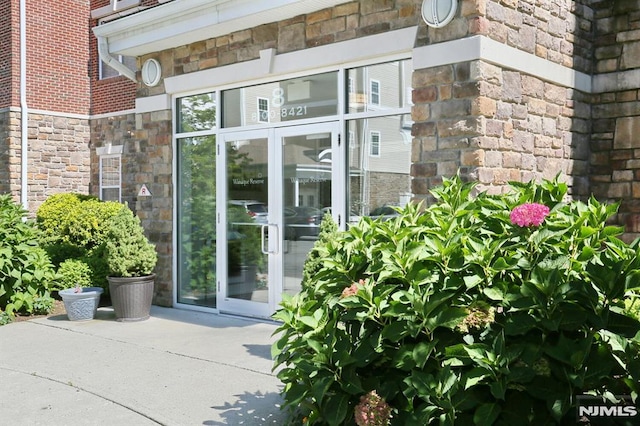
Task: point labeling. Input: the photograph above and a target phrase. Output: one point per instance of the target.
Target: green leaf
(422, 382)
(623, 325)
(518, 323)
(474, 377)
(422, 351)
(448, 318)
(336, 408)
(486, 414)
(472, 281)
(493, 293)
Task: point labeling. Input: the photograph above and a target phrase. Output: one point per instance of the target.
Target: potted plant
(131, 259)
(81, 303)
(80, 298)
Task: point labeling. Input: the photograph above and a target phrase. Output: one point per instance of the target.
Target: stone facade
(615, 144)
(496, 124)
(9, 151)
(58, 158)
(489, 119)
(491, 122)
(147, 159)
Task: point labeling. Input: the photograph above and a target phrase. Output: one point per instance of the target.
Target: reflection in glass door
(278, 184)
(307, 194)
(246, 286)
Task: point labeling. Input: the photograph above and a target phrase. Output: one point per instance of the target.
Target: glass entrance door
(276, 185)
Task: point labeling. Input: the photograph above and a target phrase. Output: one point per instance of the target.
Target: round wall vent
(438, 13)
(151, 72)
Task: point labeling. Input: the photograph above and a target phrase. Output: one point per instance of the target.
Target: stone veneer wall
(9, 152)
(58, 156)
(147, 159)
(615, 146)
(495, 124)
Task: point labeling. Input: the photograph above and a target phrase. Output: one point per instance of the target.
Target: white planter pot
(81, 306)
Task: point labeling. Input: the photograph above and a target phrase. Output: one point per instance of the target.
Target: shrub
(74, 226)
(313, 262)
(128, 251)
(26, 273)
(74, 273)
(456, 314)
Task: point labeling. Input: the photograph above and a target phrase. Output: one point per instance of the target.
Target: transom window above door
(281, 101)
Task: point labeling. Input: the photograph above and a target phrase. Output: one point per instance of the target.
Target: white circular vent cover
(151, 72)
(438, 13)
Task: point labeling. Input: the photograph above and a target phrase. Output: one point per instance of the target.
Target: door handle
(263, 241)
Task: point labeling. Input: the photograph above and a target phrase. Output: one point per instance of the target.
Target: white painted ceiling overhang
(181, 22)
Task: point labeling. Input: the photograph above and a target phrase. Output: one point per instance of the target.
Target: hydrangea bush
(478, 309)
(26, 272)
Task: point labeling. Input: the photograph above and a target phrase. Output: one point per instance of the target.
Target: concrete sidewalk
(177, 368)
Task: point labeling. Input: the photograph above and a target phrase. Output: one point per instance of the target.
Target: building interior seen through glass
(376, 131)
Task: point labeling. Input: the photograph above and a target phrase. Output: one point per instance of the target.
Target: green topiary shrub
(74, 273)
(26, 273)
(74, 226)
(477, 310)
(128, 251)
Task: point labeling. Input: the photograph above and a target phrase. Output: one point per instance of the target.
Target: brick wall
(9, 53)
(113, 94)
(615, 146)
(58, 53)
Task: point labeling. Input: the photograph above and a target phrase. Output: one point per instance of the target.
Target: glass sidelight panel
(379, 154)
(307, 181)
(196, 221)
(247, 232)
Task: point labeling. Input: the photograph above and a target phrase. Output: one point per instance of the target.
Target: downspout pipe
(105, 56)
(24, 109)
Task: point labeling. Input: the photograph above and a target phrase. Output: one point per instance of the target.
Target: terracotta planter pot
(81, 306)
(131, 297)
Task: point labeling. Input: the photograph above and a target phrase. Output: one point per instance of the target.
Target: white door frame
(274, 138)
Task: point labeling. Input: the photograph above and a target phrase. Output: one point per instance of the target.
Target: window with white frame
(374, 143)
(374, 92)
(263, 110)
(110, 177)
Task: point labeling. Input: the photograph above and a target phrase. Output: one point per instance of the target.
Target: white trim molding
(153, 103)
(485, 49)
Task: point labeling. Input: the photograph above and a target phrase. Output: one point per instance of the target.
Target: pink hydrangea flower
(352, 290)
(529, 214)
(372, 410)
